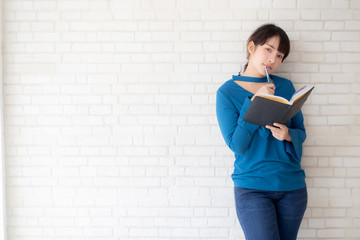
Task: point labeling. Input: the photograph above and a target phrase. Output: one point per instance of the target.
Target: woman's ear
(251, 47)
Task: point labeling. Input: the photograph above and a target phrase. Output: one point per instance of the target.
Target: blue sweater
(261, 161)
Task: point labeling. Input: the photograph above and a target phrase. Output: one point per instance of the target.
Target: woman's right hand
(266, 89)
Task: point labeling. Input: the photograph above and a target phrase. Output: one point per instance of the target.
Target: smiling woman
(270, 189)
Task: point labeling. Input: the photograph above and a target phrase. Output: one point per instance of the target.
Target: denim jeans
(270, 215)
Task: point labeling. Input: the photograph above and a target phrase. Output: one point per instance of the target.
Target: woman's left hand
(280, 132)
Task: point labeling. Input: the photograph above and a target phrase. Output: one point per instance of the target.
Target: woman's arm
(236, 132)
(298, 135)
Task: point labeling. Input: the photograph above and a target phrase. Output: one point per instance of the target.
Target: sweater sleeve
(297, 134)
(236, 132)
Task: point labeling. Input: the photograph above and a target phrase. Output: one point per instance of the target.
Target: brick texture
(109, 115)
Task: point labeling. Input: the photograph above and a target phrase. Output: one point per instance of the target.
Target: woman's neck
(251, 72)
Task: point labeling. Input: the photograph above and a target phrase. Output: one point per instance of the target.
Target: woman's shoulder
(231, 90)
(227, 86)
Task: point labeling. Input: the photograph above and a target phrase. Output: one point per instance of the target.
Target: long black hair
(266, 31)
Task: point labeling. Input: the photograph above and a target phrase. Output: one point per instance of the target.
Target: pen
(267, 75)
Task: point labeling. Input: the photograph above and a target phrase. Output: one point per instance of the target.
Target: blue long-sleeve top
(261, 161)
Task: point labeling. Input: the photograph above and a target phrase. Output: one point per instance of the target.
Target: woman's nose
(271, 59)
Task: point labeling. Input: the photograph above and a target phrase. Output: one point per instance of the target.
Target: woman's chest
(251, 87)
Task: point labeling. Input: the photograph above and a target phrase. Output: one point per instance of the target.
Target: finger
(269, 127)
(279, 125)
(271, 85)
(270, 91)
(274, 130)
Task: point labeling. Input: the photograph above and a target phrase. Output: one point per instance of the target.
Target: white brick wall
(110, 126)
(2, 152)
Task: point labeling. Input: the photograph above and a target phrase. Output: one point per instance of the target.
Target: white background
(110, 126)
(2, 157)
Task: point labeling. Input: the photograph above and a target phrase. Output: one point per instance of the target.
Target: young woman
(270, 190)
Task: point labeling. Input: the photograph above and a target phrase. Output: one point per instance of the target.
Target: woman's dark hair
(263, 33)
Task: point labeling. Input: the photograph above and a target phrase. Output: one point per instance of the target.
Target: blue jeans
(270, 215)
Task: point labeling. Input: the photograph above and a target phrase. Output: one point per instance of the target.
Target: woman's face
(265, 55)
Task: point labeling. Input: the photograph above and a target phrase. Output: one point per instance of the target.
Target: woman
(270, 190)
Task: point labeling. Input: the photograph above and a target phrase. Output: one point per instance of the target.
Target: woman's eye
(268, 49)
(280, 56)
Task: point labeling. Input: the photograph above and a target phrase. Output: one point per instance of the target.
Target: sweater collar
(249, 79)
